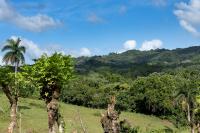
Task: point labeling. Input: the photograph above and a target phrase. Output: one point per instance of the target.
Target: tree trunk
(192, 128)
(54, 116)
(13, 106)
(61, 124)
(7, 92)
(198, 128)
(13, 116)
(109, 120)
(188, 113)
(16, 66)
(16, 85)
(52, 109)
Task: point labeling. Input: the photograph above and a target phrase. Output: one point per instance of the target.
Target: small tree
(50, 74)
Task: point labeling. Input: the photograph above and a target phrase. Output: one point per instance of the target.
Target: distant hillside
(135, 63)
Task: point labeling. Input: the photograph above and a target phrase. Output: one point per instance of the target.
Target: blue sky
(96, 27)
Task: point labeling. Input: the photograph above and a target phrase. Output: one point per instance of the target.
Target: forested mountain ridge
(135, 63)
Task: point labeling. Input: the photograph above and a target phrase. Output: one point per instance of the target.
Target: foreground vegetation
(34, 118)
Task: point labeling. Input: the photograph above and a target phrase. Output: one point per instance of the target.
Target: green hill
(135, 63)
(34, 118)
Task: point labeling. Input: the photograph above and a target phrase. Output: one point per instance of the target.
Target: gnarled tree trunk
(54, 116)
(109, 120)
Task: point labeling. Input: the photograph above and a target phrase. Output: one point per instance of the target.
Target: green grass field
(34, 118)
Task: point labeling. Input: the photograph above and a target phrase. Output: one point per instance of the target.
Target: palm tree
(187, 97)
(15, 54)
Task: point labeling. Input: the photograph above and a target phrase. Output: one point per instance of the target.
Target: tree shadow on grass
(36, 105)
(168, 130)
(23, 107)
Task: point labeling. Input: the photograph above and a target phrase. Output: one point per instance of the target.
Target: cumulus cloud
(85, 52)
(34, 51)
(128, 45)
(1, 63)
(79, 52)
(94, 18)
(188, 15)
(35, 23)
(151, 45)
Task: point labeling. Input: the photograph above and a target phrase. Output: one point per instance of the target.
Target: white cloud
(93, 18)
(130, 44)
(34, 51)
(188, 15)
(85, 52)
(187, 26)
(153, 44)
(1, 63)
(35, 23)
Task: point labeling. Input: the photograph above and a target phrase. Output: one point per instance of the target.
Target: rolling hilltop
(135, 63)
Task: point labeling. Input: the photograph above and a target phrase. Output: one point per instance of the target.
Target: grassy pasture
(34, 118)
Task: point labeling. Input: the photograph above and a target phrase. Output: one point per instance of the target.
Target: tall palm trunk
(14, 106)
(54, 116)
(16, 85)
(16, 67)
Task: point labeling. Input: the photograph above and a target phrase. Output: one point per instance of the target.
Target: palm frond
(6, 47)
(9, 57)
(11, 41)
(15, 52)
(18, 41)
(22, 49)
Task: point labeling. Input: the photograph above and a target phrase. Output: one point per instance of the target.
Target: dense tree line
(161, 94)
(134, 63)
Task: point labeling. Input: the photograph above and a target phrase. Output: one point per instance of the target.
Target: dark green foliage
(92, 90)
(154, 94)
(125, 127)
(136, 63)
